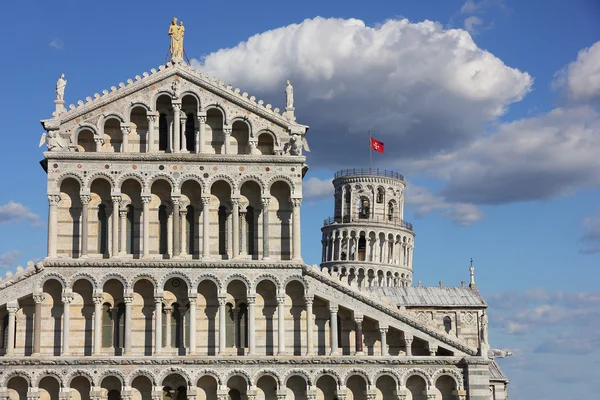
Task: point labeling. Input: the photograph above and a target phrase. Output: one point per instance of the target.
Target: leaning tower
(367, 242)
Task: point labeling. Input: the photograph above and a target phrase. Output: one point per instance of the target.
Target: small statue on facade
(296, 144)
(497, 353)
(484, 328)
(176, 48)
(289, 94)
(61, 83)
(54, 141)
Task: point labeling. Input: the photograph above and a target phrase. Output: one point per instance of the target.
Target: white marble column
(123, 229)
(281, 325)
(243, 234)
(235, 231)
(408, 339)
(265, 221)
(222, 331)
(168, 312)
(333, 328)
(38, 299)
(176, 226)
(53, 200)
(125, 131)
(99, 143)
(85, 201)
(251, 325)
(12, 309)
(182, 226)
(205, 227)
(183, 136)
(193, 303)
(146, 198)
(200, 137)
(310, 348)
(383, 330)
(176, 127)
(67, 298)
(358, 320)
(296, 233)
(116, 201)
(98, 299)
(152, 118)
(227, 138)
(128, 299)
(169, 147)
(158, 298)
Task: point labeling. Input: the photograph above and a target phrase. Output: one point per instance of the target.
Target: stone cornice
(120, 263)
(173, 157)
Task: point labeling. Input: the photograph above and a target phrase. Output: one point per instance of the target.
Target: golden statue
(176, 32)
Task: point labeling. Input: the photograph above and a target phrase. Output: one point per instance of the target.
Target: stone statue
(497, 353)
(296, 144)
(61, 83)
(484, 328)
(176, 48)
(289, 94)
(54, 141)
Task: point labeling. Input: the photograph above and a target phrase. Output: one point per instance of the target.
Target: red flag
(377, 145)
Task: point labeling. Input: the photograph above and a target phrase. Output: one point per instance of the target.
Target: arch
(48, 372)
(210, 277)
(113, 115)
(77, 373)
(240, 277)
(222, 177)
(85, 276)
(52, 275)
(415, 371)
(176, 274)
(192, 177)
(132, 175)
(244, 120)
(283, 178)
(336, 377)
(114, 275)
(218, 107)
(357, 372)
(99, 175)
(297, 372)
(270, 133)
(143, 275)
(252, 178)
(295, 278)
(83, 126)
(452, 373)
(111, 372)
(386, 372)
(163, 176)
(163, 92)
(267, 277)
(68, 175)
(174, 370)
(139, 103)
(208, 372)
(238, 372)
(266, 372)
(141, 372)
(194, 94)
(17, 373)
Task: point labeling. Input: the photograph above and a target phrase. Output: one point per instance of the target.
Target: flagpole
(370, 153)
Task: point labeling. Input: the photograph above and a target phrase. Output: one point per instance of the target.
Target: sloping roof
(496, 373)
(434, 296)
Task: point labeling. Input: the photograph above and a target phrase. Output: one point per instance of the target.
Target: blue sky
(489, 108)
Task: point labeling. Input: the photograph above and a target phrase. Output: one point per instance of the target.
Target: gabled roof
(419, 296)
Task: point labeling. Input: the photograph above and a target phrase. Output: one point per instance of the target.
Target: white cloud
(7, 260)
(317, 189)
(591, 235)
(57, 44)
(12, 212)
(580, 80)
(472, 23)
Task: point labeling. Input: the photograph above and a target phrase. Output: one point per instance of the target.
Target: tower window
(364, 207)
(380, 194)
(391, 211)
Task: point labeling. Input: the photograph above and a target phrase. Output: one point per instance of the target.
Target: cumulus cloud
(418, 87)
(12, 212)
(317, 189)
(580, 80)
(8, 260)
(57, 44)
(472, 23)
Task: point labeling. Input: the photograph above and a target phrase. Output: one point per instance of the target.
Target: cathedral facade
(174, 267)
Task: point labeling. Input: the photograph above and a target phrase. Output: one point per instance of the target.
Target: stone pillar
(125, 130)
(281, 325)
(251, 325)
(227, 136)
(229, 235)
(116, 201)
(243, 234)
(150, 135)
(128, 299)
(64, 394)
(67, 298)
(12, 309)
(371, 394)
(408, 340)
(158, 298)
(53, 200)
(383, 332)
(236, 327)
(296, 234)
(85, 201)
(205, 227)
(222, 332)
(265, 207)
(126, 393)
(323, 249)
(281, 394)
(401, 392)
(433, 348)
(157, 393)
(193, 302)
(123, 219)
(176, 226)
(170, 134)
(358, 319)
(99, 143)
(176, 127)
(38, 298)
(341, 393)
(182, 224)
(33, 393)
(235, 245)
(200, 137)
(98, 299)
(146, 224)
(333, 328)
(183, 137)
(168, 311)
(310, 348)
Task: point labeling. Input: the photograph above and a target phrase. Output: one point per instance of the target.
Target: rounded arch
(136, 177)
(142, 275)
(244, 120)
(163, 176)
(357, 372)
(86, 126)
(416, 371)
(386, 372)
(111, 372)
(237, 372)
(239, 277)
(210, 277)
(141, 372)
(195, 95)
(267, 277)
(101, 175)
(174, 370)
(17, 373)
(85, 276)
(176, 274)
(297, 372)
(295, 278)
(208, 372)
(222, 177)
(270, 133)
(52, 275)
(218, 107)
(331, 373)
(113, 115)
(267, 372)
(192, 177)
(68, 175)
(114, 275)
(48, 372)
(162, 92)
(452, 373)
(139, 103)
(283, 178)
(77, 373)
(252, 178)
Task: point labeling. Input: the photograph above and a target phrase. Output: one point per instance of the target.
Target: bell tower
(367, 238)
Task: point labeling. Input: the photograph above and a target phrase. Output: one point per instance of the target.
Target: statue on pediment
(289, 95)
(176, 32)
(61, 84)
(296, 144)
(54, 141)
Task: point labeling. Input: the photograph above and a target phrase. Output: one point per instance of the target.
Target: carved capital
(175, 200)
(222, 300)
(227, 131)
(176, 106)
(206, 201)
(265, 201)
(281, 300)
(295, 202)
(98, 298)
(158, 299)
(408, 342)
(128, 299)
(251, 300)
(358, 318)
(202, 119)
(67, 298)
(38, 298)
(12, 308)
(151, 118)
(309, 300)
(235, 202)
(333, 308)
(384, 331)
(116, 198)
(85, 198)
(146, 199)
(99, 140)
(54, 199)
(125, 130)
(123, 212)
